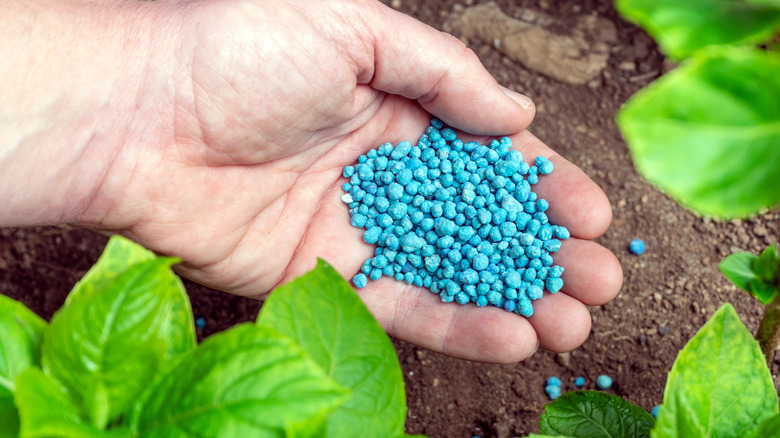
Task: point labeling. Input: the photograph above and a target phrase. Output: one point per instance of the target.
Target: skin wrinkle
(348, 18)
(401, 310)
(435, 88)
(281, 223)
(182, 141)
(449, 335)
(296, 250)
(304, 235)
(101, 181)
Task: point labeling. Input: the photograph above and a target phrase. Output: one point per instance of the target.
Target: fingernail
(522, 100)
(535, 349)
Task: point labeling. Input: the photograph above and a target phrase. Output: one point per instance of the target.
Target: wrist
(70, 86)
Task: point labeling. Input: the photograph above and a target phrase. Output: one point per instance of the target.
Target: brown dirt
(667, 294)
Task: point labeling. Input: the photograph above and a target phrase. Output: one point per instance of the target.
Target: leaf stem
(768, 333)
(7, 383)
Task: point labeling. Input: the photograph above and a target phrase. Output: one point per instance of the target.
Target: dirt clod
(576, 58)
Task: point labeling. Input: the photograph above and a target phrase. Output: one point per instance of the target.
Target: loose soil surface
(668, 292)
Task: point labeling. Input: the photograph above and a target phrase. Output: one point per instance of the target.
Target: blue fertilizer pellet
(553, 391)
(604, 382)
(637, 246)
(459, 219)
(200, 323)
(360, 280)
(579, 382)
(554, 381)
(654, 412)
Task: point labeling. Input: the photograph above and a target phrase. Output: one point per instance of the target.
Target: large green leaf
(107, 343)
(708, 133)
(594, 414)
(321, 312)
(247, 381)
(719, 385)
(21, 332)
(683, 27)
(46, 410)
(742, 269)
(119, 255)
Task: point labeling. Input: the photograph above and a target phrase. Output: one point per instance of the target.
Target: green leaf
(20, 338)
(121, 254)
(708, 133)
(768, 429)
(21, 332)
(46, 410)
(719, 384)
(592, 414)
(765, 266)
(107, 343)
(683, 27)
(740, 268)
(322, 313)
(247, 381)
(765, 292)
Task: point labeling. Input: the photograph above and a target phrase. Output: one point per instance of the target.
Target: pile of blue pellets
(460, 219)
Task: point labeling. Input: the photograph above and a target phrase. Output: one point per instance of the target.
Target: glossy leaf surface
(683, 27)
(594, 414)
(324, 315)
(708, 133)
(719, 385)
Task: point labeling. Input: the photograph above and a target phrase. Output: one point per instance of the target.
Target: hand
(242, 115)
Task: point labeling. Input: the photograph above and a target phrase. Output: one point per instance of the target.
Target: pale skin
(216, 131)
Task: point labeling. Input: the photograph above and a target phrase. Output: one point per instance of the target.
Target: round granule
(553, 391)
(604, 382)
(637, 246)
(460, 219)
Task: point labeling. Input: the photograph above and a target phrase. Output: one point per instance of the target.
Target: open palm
(269, 101)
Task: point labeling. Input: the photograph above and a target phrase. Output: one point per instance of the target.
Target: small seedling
(119, 359)
(719, 385)
(759, 275)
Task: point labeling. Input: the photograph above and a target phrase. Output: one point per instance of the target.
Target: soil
(668, 292)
